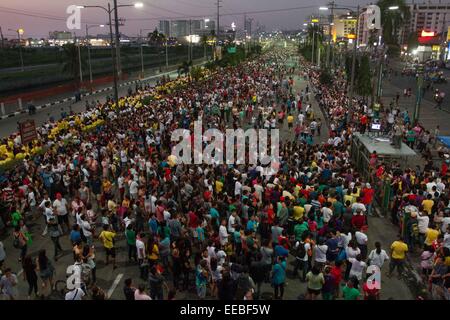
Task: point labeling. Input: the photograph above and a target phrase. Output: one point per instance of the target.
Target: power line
(228, 14)
(35, 15)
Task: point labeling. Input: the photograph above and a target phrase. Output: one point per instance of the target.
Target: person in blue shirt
(215, 214)
(279, 277)
(281, 251)
(75, 234)
(252, 224)
(200, 236)
(153, 224)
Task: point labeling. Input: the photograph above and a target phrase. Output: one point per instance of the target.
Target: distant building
(429, 17)
(343, 26)
(59, 38)
(183, 28)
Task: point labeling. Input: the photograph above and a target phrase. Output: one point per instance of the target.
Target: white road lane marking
(114, 285)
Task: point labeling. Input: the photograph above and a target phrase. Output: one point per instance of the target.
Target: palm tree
(392, 20)
(71, 64)
(185, 68)
(158, 39)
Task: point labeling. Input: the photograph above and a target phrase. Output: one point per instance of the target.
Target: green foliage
(196, 73)
(325, 77)
(364, 83)
(71, 65)
(392, 20)
(185, 67)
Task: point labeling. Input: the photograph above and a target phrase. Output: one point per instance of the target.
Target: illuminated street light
(393, 8)
(138, 5)
(323, 8)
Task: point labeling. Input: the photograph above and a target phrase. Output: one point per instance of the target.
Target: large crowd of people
(219, 231)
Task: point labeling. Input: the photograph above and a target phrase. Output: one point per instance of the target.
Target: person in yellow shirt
(398, 255)
(298, 212)
(290, 120)
(431, 235)
(107, 237)
(428, 204)
(219, 186)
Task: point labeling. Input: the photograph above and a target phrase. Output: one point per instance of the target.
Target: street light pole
(116, 18)
(18, 31)
(352, 81)
(313, 42)
(89, 48)
(79, 62)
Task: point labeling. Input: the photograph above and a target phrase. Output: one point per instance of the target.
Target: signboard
(27, 130)
(314, 20)
(427, 34)
(448, 34)
(232, 50)
(351, 36)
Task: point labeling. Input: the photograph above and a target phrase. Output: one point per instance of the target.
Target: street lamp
(142, 50)
(393, 8)
(20, 32)
(109, 11)
(89, 46)
(323, 8)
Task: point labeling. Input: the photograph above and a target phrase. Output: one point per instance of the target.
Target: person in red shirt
(367, 199)
(358, 219)
(336, 272)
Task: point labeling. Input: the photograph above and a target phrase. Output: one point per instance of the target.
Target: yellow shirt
(427, 205)
(219, 186)
(349, 198)
(298, 212)
(290, 119)
(107, 237)
(431, 236)
(398, 250)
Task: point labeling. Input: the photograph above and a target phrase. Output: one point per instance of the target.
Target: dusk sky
(38, 17)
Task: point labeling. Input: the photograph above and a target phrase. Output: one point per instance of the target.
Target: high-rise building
(164, 27)
(428, 17)
(248, 26)
(182, 28)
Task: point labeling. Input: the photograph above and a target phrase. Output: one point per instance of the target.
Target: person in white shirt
(87, 229)
(358, 267)
(75, 294)
(320, 253)
(423, 221)
(223, 234)
(361, 240)
(232, 222)
(378, 256)
(140, 248)
(133, 188)
(327, 213)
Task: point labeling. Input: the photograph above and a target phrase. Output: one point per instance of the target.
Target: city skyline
(43, 16)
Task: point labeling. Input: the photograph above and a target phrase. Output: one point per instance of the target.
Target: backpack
(300, 251)
(17, 243)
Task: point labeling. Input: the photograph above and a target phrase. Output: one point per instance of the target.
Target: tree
(156, 38)
(325, 77)
(364, 83)
(413, 41)
(71, 64)
(196, 73)
(185, 67)
(392, 20)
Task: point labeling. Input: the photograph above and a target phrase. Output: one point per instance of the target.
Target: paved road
(112, 280)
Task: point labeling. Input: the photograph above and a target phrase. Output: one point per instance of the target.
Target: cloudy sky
(38, 17)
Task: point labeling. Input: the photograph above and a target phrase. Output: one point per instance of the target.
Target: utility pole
(418, 95)
(3, 39)
(352, 81)
(330, 26)
(190, 41)
(116, 17)
(313, 42)
(218, 18)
